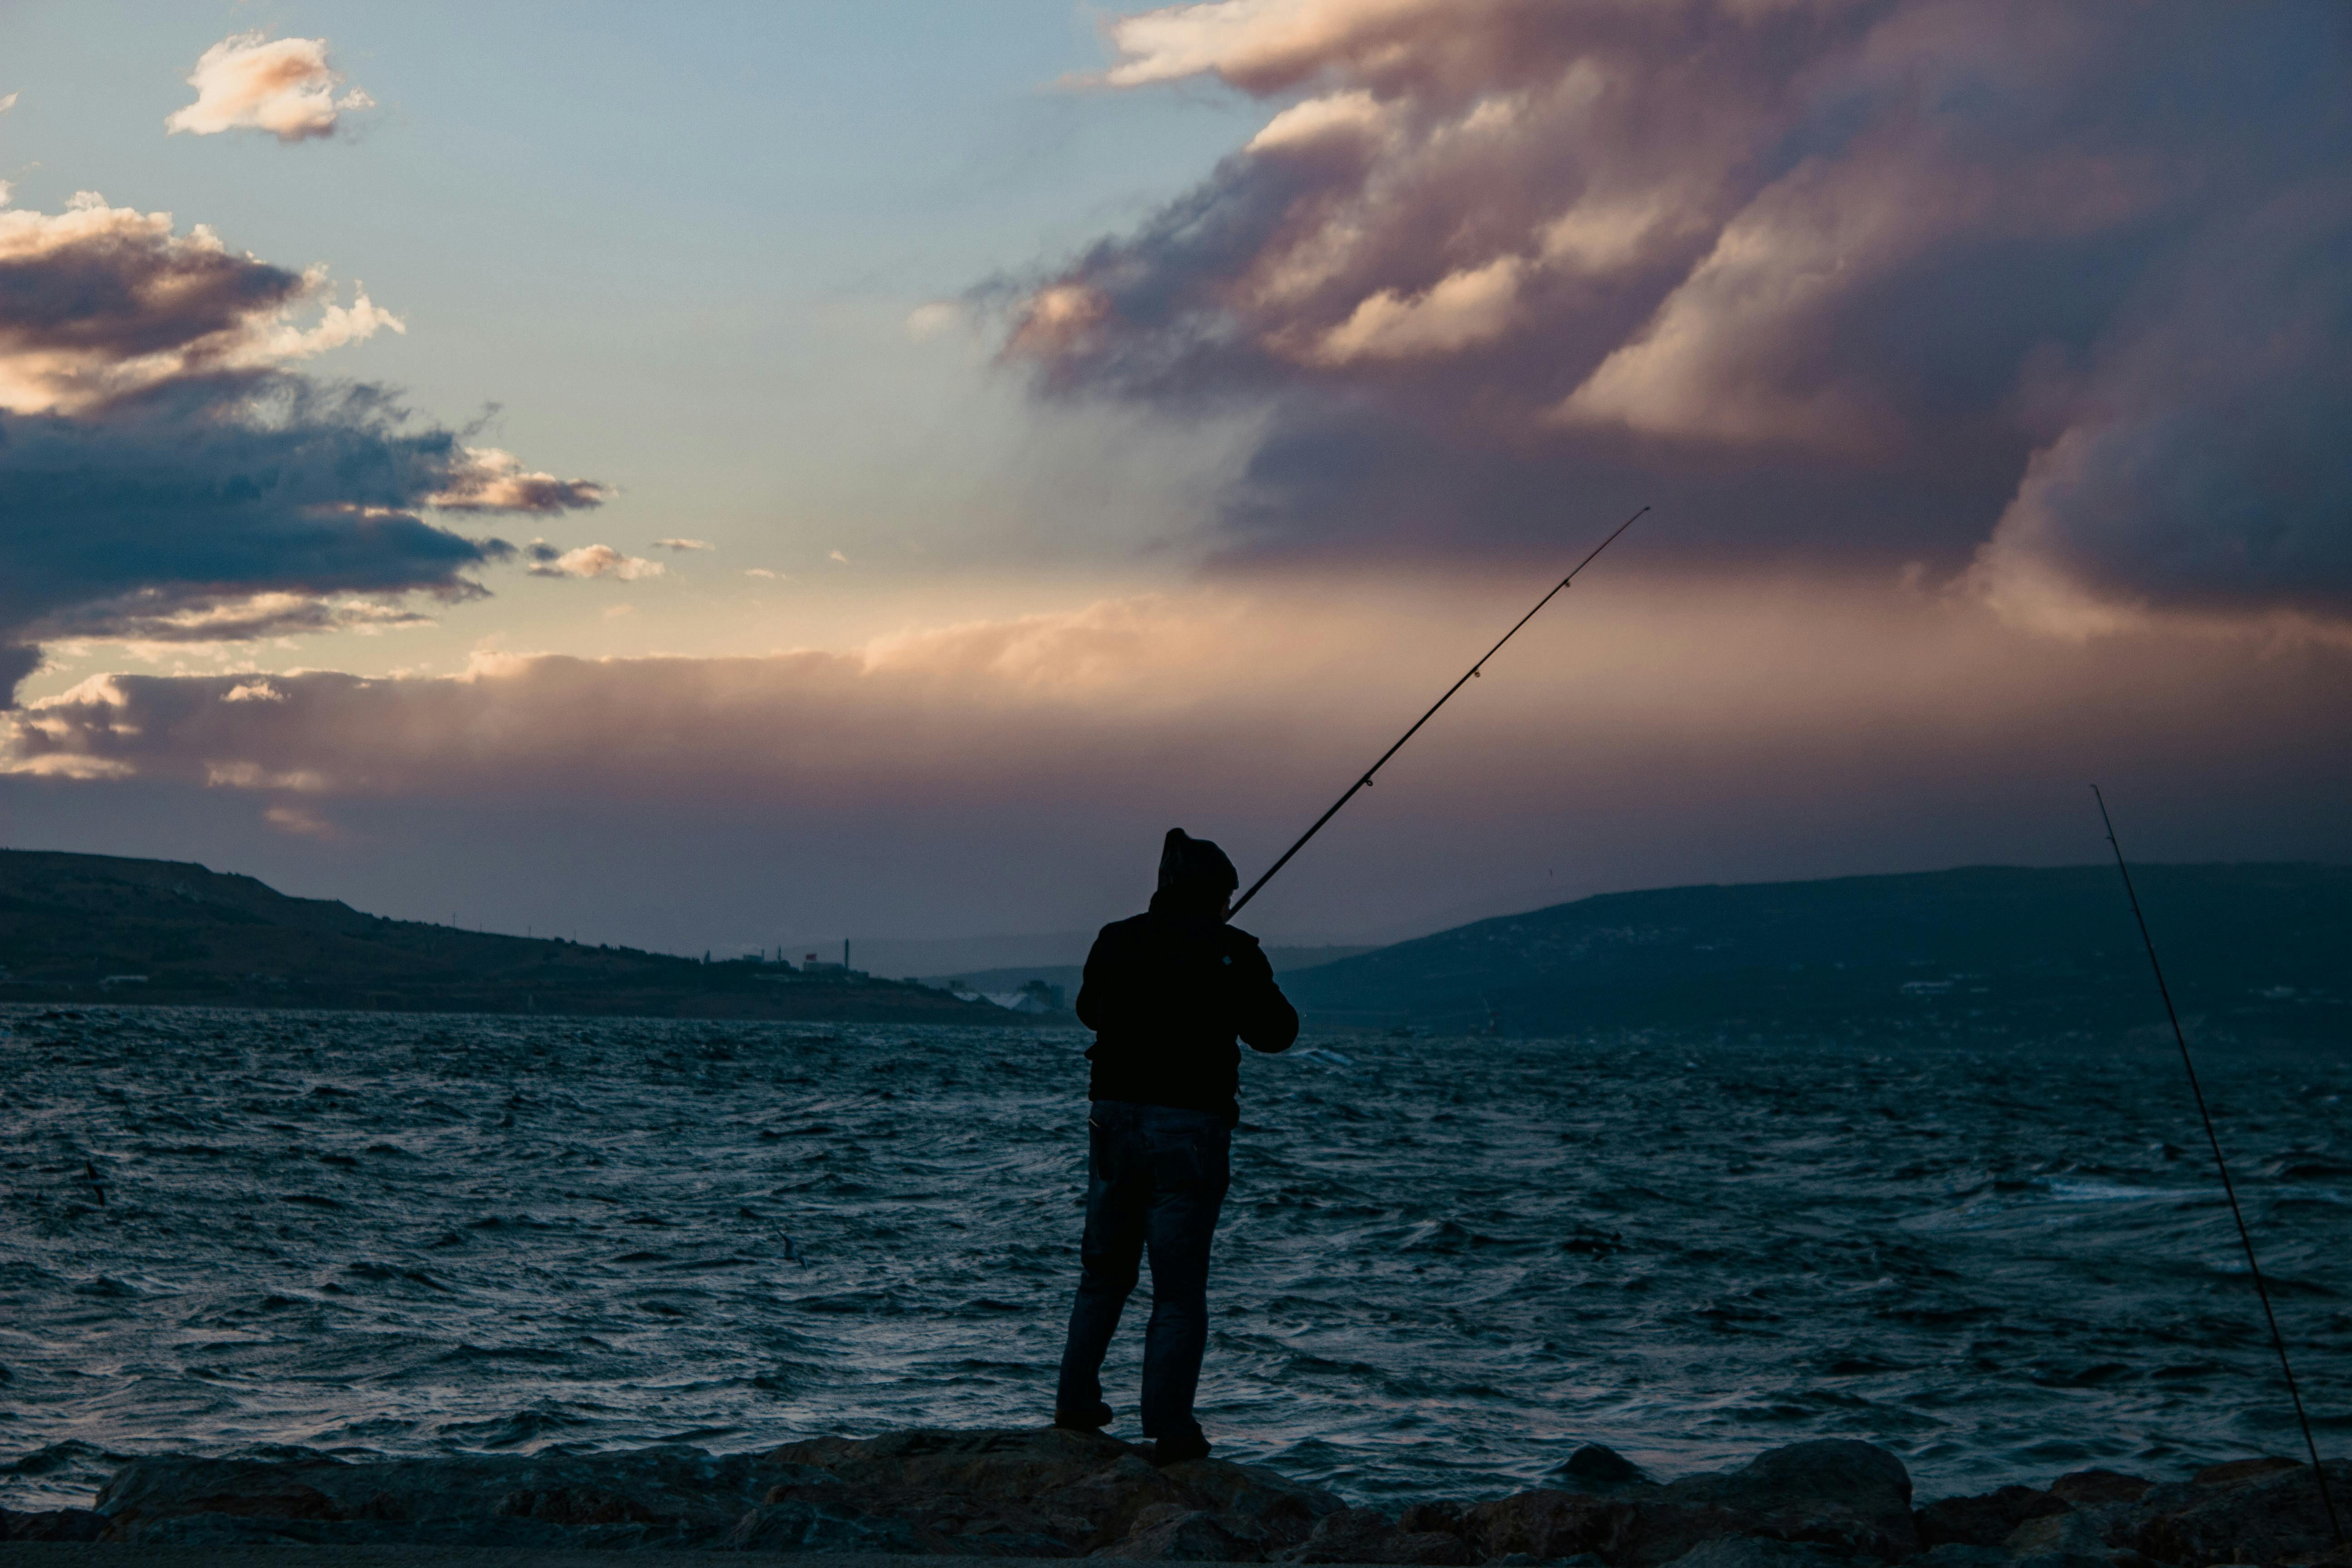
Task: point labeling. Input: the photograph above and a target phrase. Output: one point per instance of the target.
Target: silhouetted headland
(1974, 954)
(98, 928)
(2254, 951)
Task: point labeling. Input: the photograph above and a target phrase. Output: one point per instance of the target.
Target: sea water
(1445, 1263)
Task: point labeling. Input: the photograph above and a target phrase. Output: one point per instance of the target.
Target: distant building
(816, 968)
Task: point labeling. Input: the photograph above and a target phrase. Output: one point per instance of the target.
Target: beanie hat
(1189, 865)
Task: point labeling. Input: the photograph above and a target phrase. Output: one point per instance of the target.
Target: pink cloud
(592, 561)
(487, 479)
(1661, 729)
(249, 82)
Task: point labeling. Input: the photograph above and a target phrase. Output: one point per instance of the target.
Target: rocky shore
(1059, 1494)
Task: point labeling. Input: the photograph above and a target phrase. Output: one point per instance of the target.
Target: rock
(668, 1496)
(1546, 1524)
(53, 1524)
(2269, 1510)
(1167, 1533)
(1103, 1505)
(1350, 1535)
(987, 1463)
(1366, 1535)
(1445, 1518)
(1848, 1496)
(1045, 1493)
(1256, 1499)
(1752, 1551)
(1985, 1520)
(1056, 1493)
(1853, 1496)
(2091, 1489)
(2066, 1540)
(1599, 1470)
(1429, 1549)
(795, 1524)
(2232, 1472)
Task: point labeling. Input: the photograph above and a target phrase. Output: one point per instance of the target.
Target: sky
(814, 470)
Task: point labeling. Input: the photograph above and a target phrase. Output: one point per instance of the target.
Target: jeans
(1156, 1178)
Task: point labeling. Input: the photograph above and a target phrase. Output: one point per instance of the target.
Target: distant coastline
(98, 930)
(1978, 953)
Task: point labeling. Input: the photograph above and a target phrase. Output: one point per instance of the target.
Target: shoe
(1176, 1450)
(1093, 1420)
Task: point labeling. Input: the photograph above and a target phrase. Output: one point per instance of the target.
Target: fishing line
(1365, 782)
(2245, 1238)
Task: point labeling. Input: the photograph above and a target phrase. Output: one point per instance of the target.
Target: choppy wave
(1445, 1262)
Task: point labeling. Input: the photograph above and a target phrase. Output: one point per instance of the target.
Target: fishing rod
(2245, 1238)
(1365, 782)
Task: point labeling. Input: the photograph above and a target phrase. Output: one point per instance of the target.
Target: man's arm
(1095, 983)
(1266, 1021)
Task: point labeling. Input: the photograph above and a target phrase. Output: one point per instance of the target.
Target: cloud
(1838, 284)
(8, 102)
(2203, 466)
(928, 320)
(591, 561)
(487, 479)
(16, 662)
(1340, 117)
(1268, 44)
(1667, 728)
(223, 510)
(165, 477)
(1333, 668)
(249, 82)
(1458, 312)
(683, 545)
(295, 819)
(762, 571)
(99, 303)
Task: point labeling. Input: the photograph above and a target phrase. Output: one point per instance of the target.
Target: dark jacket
(1167, 993)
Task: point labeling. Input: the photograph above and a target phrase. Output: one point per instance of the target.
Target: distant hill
(2252, 951)
(91, 927)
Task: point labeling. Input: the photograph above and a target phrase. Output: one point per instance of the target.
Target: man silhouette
(1168, 994)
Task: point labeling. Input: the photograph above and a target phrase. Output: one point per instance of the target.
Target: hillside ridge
(90, 928)
(2258, 950)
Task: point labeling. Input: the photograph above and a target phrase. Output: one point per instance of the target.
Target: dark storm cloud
(223, 510)
(15, 663)
(2059, 289)
(163, 475)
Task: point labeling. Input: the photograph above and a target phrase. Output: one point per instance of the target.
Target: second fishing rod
(1365, 780)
